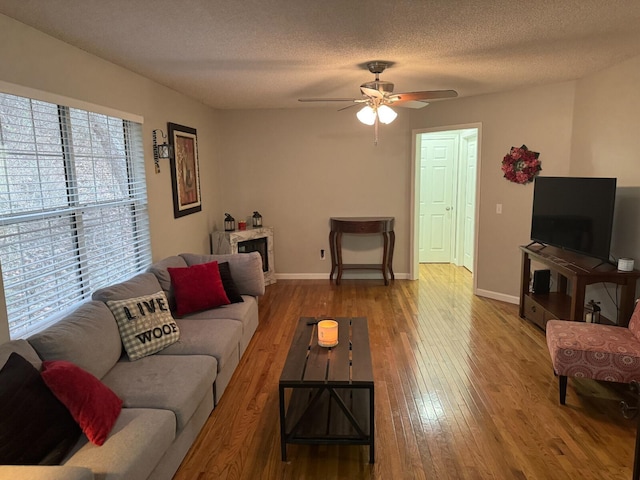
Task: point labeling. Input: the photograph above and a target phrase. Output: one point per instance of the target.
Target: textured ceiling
(269, 53)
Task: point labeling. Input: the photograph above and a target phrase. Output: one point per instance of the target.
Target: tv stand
(576, 272)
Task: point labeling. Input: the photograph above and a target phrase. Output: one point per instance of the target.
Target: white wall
(605, 140)
(300, 167)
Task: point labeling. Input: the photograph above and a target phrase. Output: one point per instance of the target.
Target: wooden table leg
(372, 454)
(627, 302)
(524, 281)
(392, 243)
(577, 300)
(332, 248)
(283, 432)
(385, 257)
(339, 256)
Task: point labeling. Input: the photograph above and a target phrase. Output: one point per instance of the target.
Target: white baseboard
(498, 296)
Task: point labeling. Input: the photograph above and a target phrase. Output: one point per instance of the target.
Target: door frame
(414, 220)
(459, 254)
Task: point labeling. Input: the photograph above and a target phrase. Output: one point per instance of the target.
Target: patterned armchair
(595, 351)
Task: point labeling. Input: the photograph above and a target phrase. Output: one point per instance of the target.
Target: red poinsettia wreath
(520, 165)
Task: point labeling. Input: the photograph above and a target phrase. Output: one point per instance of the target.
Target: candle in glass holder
(327, 333)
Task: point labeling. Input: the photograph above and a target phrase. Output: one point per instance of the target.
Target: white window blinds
(73, 207)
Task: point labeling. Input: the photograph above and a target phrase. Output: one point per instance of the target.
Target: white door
(438, 154)
(470, 162)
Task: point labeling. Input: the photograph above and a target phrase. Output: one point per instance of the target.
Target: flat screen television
(574, 213)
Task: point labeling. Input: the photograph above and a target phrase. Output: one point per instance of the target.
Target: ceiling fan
(378, 97)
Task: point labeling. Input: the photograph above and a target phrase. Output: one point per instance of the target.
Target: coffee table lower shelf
(328, 415)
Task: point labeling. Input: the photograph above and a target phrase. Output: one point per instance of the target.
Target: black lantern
(257, 219)
(229, 223)
(160, 150)
(592, 312)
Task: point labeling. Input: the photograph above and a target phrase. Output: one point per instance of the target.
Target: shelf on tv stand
(576, 272)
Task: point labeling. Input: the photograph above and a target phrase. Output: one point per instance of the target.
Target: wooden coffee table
(331, 397)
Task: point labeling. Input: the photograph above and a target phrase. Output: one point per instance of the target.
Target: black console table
(362, 226)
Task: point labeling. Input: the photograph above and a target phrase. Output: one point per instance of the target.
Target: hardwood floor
(464, 390)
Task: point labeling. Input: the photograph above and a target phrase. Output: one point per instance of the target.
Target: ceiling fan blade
(398, 98)
(327, 100)
(411, 104)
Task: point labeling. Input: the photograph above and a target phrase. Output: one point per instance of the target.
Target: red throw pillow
(92, 404)
(198, 287)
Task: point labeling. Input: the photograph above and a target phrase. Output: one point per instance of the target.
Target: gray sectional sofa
(167, 396)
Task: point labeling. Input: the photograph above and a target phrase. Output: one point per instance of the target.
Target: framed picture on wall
(185, 170)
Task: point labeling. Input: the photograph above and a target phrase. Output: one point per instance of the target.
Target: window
(73, 207)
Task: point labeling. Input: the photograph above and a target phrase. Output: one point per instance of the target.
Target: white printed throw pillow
(145, 323)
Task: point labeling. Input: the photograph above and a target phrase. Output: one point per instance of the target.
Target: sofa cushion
(91, 403)
(198, 287)
(145, 323)
(138, 286)
(246, 314)
(35, 428)
(159, 269)
(22, 348)
(246, 269)
(236, 311)
(138, 441)
(217, 338)
(230, 287)
(87, 337)
(170, 382)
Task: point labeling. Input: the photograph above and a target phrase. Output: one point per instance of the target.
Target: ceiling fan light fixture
(386, 114)
(367, 115)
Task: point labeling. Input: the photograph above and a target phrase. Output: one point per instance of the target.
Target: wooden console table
(579, 271)
(362, 226)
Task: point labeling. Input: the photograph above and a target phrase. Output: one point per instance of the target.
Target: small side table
(362, 226)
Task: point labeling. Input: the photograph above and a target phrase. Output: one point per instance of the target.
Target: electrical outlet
(322, 257)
